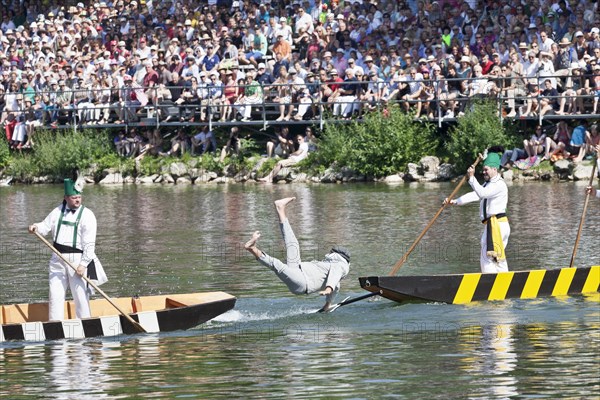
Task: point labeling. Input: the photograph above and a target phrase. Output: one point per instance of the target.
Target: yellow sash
(494, 238)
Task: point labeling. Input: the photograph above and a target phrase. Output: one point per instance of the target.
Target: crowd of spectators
(119, 60)
(562, 140)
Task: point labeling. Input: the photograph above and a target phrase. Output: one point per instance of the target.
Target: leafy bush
(4, 153)
(379, 145)
(477, 130)
(23, 168)
(249, 147)
(58, 153)
(266, 167)
(111, 160)
(310, 165)
(210, 162)
(149, 165)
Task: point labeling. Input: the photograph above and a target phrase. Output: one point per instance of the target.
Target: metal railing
(82, 106)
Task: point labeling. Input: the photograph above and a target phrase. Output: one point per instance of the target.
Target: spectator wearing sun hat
(546, 69)
(565, 57)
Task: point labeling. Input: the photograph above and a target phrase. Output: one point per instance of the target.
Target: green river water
(155, 240)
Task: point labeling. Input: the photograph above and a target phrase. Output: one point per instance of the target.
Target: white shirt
(85, 238)
(302, 152)
(495, 192)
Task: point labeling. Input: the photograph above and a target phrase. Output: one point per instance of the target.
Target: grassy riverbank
(379, 145)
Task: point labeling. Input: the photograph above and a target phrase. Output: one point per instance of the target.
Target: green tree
(477, 130)
(379, 145)
(58, 153)
(4, 153)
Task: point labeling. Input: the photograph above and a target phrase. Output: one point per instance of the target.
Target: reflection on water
(493, 357)
(185, 239)
(177, 239)
(295, 360)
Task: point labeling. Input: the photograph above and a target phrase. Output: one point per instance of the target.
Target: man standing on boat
(493, 197)
(73, 228)
(303, 277)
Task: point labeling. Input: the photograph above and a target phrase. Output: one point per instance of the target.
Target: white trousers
(62, 277)
(245, 106)
(488, 265)
(344, 105)
(305, 104)
(19, 132)
(289, 272)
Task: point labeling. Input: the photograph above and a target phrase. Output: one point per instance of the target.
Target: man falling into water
(493, 196)
(303, 277)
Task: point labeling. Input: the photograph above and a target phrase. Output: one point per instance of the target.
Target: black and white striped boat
(154, 313)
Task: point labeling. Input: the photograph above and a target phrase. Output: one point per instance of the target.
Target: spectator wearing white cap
(284, 30)
(263, 76)
(580, 44)
(546, 70)
(189, 30)
(531, 66)
(356, 68)
(340, 62)
(594, 40)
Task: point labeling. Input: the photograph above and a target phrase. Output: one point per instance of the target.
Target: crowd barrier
(107, 108)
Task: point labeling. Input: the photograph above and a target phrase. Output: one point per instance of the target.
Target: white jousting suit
(72, 230)
(493, 196)
(307, 277)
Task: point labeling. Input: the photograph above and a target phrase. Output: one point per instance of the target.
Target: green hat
(492, 160)
(70, 188)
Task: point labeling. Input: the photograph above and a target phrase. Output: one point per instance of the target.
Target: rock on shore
(428, 169)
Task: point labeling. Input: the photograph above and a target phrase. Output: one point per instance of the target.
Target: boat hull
(465, 288)
(155, 314)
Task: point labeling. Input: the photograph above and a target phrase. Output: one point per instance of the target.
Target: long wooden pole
(585, 204)
(416, 242)
(92, 284)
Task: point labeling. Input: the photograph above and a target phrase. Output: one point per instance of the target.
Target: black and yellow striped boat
(465, 288)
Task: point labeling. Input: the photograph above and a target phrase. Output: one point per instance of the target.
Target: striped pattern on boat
(163, 320)
(78, 329)
(465, 288)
